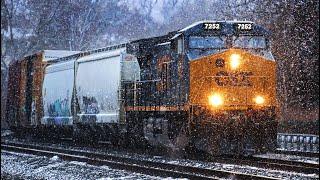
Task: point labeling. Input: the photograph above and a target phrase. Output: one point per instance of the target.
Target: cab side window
(180, 46)
(177, 44)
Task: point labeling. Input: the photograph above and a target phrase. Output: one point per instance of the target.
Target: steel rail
(298, 153)
(276, 164)
(130, 164)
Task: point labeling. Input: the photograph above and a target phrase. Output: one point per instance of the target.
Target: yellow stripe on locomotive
(232, 79)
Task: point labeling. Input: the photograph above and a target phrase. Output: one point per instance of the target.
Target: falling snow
(76, 26)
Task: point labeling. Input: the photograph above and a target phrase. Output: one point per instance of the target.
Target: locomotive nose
(232, 79)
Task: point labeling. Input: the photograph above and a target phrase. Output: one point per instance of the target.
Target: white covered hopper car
(82, 94)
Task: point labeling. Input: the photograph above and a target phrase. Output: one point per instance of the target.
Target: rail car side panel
(37, 81)
(97, 85)
(13, 98)
(24, 93)
(57, 94)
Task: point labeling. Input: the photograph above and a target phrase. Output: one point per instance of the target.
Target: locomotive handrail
(251, 76)
(146, 81)
(153, 80)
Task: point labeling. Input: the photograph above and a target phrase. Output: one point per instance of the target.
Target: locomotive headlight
(215, 100)
(234, 61)
(259, 100)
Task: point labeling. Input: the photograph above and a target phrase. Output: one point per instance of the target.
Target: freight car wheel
(77, 134)
(19, 132)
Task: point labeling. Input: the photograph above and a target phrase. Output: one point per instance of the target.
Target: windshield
(212, 42)
(254, 42)
(200, 46)
(206, 45)
(196, 53)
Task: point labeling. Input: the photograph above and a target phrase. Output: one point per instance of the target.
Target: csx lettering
(233, 79)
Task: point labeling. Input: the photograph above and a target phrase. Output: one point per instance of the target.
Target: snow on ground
(25, 166)
(201, 164)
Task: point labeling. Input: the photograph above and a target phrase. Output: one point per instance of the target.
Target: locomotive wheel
(180, 142)
(77, 135)
(134, 135)
(208, 138)
(167, 132)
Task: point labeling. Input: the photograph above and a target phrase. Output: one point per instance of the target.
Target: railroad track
(276, 164)
(130, 164)
(298, 153)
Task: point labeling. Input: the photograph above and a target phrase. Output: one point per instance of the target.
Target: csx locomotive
(210, 86)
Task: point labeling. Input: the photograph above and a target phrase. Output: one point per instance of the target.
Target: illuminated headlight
(215, 100)
(234, 61)
(259, 100)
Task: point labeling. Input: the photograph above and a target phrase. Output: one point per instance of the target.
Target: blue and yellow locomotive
(211, 85)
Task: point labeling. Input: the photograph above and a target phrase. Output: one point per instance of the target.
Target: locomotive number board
(237, 26)
(211, 26)
(243, 26)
